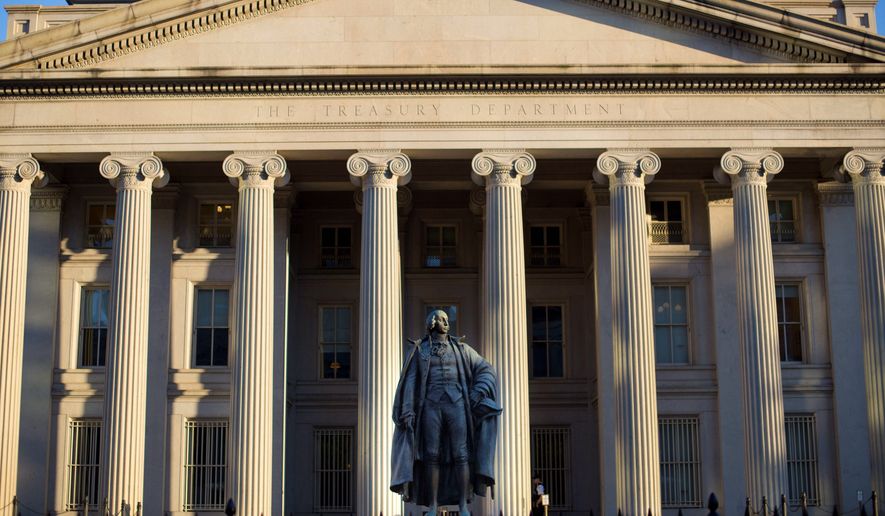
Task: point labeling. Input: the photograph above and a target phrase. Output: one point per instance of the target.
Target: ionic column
(18, 172)
(125, 404)
(379, 173)
(250, 446)
(504, 328)
(765, 452)
(636, 441)
(864, 166)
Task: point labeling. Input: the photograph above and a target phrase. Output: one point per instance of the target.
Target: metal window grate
(83, 466)
(333, 469)
(680, 462)
(216, 224)
(665, 222)
(100, 225)
(205, 465)
(551, 460)
(802, 458)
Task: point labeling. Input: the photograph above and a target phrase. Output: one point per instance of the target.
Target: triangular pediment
(395, 36)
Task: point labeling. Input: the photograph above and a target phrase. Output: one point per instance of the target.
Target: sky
(880, 13)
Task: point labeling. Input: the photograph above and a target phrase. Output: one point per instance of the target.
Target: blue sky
(880, 13)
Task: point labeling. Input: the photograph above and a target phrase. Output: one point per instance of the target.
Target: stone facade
(293, 184)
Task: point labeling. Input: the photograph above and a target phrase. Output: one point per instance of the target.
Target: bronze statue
(445, 412)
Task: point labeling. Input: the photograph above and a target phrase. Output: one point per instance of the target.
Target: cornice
(738, 83)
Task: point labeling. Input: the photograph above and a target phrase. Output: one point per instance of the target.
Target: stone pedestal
(748, 171)
(864, 166)
(379, 173)
(505, 339)
(250, 445)
(636, 441)
(134, 176)
(18, 172)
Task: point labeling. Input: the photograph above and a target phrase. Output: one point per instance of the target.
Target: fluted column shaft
(749, 171)
(250, 446)
(380, 325)
(638, 469)
(17, 174)
(125, 408)
(864, 166)
(505, 337)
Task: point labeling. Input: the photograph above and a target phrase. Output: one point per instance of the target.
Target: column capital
(862, 166)
(626, 166)
(256, 169)
(134, 171)
(384, 167)
(752, 165)
(503, 167)
(19, 172)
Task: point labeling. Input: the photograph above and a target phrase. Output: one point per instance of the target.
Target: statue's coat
(479, 386)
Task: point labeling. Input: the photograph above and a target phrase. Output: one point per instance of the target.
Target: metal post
(783, 505)
(875, 499)
(803, 500)
(764, 506)
(15, 506)
(138, 509)
(86, 506)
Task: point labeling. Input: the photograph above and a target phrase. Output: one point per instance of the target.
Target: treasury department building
(661, 221)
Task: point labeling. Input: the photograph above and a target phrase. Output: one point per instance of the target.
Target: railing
(665, 232)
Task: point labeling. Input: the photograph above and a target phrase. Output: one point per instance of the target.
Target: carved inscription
(355, 111)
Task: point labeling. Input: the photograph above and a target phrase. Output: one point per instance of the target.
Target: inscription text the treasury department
(445, 110)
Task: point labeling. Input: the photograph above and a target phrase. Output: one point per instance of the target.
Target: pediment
(395, 36)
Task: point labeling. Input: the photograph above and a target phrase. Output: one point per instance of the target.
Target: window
(666, 225)
(451, 311)
(547, 361)
(216, 224)
(205, 465)
(439, 249)
(333, 470)
(94, 327)
(680, 462)
(671, 324)
(83, 467)
(100, 225)
(802, 458)
(335, 341)
(211, 327)
(551, 461)
(335, 247)
(545, 245)
(22, 26)
(789, 322)
(782, 219)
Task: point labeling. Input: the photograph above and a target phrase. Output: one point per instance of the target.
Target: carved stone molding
(862, 166)
(718, 194)
(20, 172)
(477, 202)
(379, 168)
(260, 169)
(835, 194)
(134, 171)
(751, 165)
(597, 195)
(49, 198)
(503, 167)
(626, 166)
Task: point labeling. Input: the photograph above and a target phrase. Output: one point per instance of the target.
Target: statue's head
(437, 321)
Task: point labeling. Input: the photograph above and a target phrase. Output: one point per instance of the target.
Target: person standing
(537, 496)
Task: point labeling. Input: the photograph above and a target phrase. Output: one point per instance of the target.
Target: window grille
(83, 467)
(551, 461)
(205, 466)
(216, 224)
(680, 462)
(440, 246)
(789, 321)
(335, 247)
(547, 342)
(333, 470)
(451, 311)
(545, 245)
(335, 337)
(802, 458)
(100, 225)
(782, 220)
(671, 324)
(666, 225)
(211, 327)
(93, 327)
